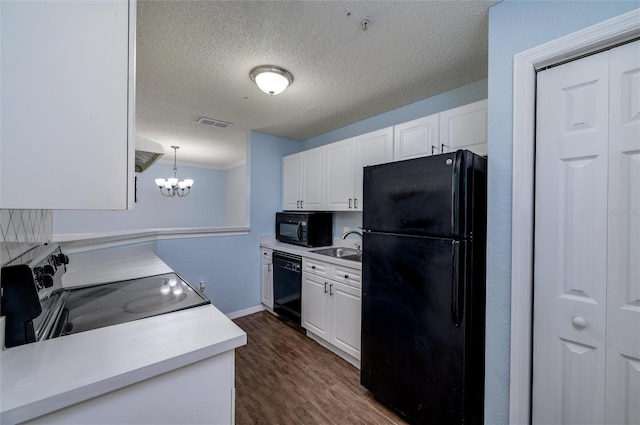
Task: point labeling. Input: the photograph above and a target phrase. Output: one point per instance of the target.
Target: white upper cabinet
(313, 179)
(291, 193)
(344, 163)
(67, 104)
(416, 138)
(303, 181)
(340, 174)
(372, 148)
(329, 178)
(465, 128)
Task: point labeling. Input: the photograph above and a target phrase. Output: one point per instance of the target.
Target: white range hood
(147, 153)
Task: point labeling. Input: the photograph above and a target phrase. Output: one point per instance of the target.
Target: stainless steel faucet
(353, 232)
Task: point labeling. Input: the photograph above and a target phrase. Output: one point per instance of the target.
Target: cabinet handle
(442, 146)
(313, 267)
(432, 148)
(301, 204)
(325, 287)
(355, 203)
(349, 203)
(331, 289)
(346, 276)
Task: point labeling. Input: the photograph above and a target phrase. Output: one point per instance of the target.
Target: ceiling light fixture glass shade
(271, 79)
(172, 186)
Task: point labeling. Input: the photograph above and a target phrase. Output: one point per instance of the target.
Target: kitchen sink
(354, 257)
(343, 253)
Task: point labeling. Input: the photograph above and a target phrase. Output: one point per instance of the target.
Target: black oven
(305, 229)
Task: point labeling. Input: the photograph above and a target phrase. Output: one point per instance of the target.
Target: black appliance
(423, 295)
(287, 286)
(37, 307)
(305, 229)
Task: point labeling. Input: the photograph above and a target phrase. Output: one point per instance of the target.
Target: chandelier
(171, 186)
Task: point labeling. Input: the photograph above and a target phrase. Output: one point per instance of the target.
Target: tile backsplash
(21, 230)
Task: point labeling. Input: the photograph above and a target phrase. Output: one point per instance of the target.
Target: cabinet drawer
(346, 275)
(315, 267)
(266, 253)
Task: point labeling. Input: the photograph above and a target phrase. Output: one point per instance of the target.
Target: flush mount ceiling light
(271, 79)
(171, 186)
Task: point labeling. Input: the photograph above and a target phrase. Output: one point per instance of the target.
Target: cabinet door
(291, 182)
(464, 128)
(315, 305)
(416, 138)
(266, 283)
(370, 149)
(345, 317)
(339, 175)
(67, 104)
(312, 179)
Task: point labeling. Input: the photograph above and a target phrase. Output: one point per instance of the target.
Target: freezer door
(418, 352)
(439, 195)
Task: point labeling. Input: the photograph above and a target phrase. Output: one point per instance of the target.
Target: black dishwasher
(287, 286)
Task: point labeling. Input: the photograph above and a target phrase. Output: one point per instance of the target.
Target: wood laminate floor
(284, 377)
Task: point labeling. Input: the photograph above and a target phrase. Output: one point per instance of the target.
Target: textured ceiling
(194, 58)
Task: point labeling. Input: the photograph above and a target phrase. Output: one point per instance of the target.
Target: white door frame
(607, 33)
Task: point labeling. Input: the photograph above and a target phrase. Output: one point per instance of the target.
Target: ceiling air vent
(214, 123)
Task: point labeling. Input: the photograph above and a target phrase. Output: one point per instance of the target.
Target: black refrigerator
(423, 299)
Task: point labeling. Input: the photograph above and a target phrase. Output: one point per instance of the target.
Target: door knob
(579, 322)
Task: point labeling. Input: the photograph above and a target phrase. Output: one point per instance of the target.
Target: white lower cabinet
(331, 307)
(345, 309)
(315, 305)
(266, 278)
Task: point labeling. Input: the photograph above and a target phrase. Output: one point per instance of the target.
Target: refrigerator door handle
(457, 192)
(457, 285)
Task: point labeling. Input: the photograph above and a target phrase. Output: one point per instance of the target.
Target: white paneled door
(623, 214)
(586, 360)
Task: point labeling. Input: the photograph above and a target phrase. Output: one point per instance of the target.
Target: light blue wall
(515, 26)
(236, 196)
(202, 208)
(230, 265)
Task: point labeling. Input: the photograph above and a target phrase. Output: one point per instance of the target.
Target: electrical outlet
(203, 287)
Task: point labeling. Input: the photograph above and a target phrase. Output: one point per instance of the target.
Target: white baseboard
(246, 312)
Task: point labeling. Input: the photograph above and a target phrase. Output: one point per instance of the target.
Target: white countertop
(147, 264)
(269, 241)
(42, 377)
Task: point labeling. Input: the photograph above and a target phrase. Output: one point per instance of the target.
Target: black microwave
(305, 229)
